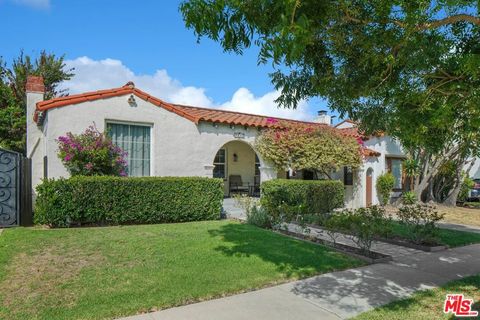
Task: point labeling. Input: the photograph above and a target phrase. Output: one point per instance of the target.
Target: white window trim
(152, 137)
(224, 163)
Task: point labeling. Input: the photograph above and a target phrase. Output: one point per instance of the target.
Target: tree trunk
(451, 199)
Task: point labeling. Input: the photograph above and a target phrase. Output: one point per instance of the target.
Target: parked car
(474, 194)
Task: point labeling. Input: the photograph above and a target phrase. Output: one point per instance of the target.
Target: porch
(241, 169)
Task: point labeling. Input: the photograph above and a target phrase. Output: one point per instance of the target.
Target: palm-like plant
(411, 168)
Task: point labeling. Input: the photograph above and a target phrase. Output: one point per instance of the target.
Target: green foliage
(13, 96)
(259, 217)
(407, 68)
(420, 220)
(409, 197)
(131, 200)
(363, 224)
(91, 153)
(385, 183)
(308, 147)
(284, 200)
(465, 189)
(12, 121)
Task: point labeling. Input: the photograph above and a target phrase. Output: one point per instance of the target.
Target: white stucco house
(166, 139)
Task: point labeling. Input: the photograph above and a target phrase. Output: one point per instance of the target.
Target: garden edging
(413, 245)
(340, 247)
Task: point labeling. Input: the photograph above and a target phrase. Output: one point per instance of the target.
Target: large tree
(409, 68)
(13, 97)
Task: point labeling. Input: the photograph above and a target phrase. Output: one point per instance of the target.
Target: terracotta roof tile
(370, 153)
(194, 114)
(352, 132)
(191, 113)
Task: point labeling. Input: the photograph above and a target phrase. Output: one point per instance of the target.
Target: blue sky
(110, 42)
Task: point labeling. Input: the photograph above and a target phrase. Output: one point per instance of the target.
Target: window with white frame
(219, 171)
(395, 167)
(136, 141)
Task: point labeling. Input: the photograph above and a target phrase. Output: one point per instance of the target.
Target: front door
(369, 188)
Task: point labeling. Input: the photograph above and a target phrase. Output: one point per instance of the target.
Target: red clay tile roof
(370, 153)
(236, 118)
(194, 114)
(352, 132)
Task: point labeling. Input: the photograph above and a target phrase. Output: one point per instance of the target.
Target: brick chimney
(35, 84)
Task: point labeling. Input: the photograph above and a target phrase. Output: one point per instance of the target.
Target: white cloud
(244, 101)
(41, 4)
(91, 75)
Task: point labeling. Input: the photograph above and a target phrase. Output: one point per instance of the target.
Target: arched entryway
(239, 166)
(369, 187)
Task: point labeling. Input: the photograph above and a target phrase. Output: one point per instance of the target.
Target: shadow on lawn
(294, 258)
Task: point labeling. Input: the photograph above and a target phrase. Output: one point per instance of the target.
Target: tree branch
(424, 26)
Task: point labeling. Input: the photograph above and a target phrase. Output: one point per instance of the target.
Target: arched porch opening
(240, 167)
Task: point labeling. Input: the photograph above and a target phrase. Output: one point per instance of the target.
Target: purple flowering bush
(91, 153)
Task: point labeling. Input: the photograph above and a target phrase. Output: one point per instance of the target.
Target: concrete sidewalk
(337, 295)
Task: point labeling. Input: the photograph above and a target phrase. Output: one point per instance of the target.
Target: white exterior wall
(179, 146)
(35, 138)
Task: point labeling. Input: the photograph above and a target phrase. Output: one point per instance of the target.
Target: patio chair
(236, 184)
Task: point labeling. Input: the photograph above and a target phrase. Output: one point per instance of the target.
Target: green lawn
(97, 273)
(427, 304)
(452, 238)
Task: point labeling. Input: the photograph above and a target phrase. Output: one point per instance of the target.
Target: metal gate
(15, 189)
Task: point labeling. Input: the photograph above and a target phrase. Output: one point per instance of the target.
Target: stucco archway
(239, 165)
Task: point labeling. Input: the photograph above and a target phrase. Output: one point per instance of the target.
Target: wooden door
(369, 188)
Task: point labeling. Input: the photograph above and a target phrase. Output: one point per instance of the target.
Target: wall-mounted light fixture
(235, 157)
(232, 126)
(131, 101)
(215, 124)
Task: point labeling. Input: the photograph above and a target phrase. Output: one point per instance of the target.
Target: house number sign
(239, 135)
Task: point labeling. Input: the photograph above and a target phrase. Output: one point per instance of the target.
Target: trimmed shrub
(285, 199)
(133, 200)
(363, 224)
(385, 184)
(420, 220)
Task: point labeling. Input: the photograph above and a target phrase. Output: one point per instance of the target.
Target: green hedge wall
(117, 200)
(292, 197)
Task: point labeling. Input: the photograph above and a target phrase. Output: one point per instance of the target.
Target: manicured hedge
(117, 200)
(282, 196)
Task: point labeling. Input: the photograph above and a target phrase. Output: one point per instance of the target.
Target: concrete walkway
(337, 295)
(459, 227)
(232, 210)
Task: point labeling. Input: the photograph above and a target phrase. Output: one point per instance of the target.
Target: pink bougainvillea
(304, 146)
(91, 153)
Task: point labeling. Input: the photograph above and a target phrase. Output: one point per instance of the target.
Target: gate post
(26, 210)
